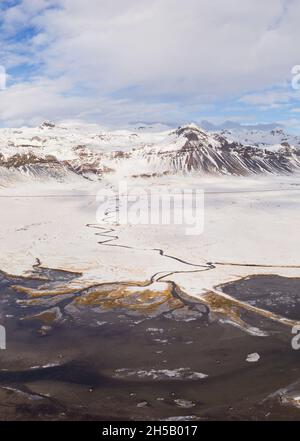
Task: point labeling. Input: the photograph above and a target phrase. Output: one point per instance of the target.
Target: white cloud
(169, 45)
(195, 51)
(275, 97)
(31, 103)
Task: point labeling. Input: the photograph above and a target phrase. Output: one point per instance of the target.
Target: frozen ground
(248, 221)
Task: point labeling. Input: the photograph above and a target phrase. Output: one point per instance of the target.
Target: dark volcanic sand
(280, 295)
(116, 369)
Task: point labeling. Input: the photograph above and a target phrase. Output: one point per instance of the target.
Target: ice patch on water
(186, 404)
(253, 358)
(45, 366)
(161, 374)
(181, 418)
(25, 394)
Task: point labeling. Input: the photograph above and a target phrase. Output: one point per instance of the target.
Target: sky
(117, 62)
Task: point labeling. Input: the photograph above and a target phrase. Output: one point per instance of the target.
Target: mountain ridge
(91, 151)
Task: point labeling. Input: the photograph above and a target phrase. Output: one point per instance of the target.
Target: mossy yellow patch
(143, 300)
(223, 305)
(36, 293)
(47, 317)
(232, 308)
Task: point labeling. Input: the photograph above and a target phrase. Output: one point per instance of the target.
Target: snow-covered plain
(251, 226)
(247, 221)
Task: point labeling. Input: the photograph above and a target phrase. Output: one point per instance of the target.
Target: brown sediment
(97, 297)
(46, 317)
(99, 289)
(32, 302)
(224, 304)
(32, 277)
(142, 301)
(113, 295)
(36, 293)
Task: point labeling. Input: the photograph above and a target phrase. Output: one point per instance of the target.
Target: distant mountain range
(60, 151)
(228, 125)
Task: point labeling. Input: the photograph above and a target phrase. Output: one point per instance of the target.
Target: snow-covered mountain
(58, 150)
(91, 151)
(271, 139)
(190, 149)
